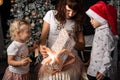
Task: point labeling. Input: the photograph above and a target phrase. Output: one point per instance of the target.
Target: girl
(17, 51)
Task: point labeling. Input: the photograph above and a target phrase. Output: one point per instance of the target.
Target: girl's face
(24, 34)
(94, 22)
(69, 12)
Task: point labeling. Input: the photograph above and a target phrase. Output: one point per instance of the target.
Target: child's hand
(24, 61)
(99, 76)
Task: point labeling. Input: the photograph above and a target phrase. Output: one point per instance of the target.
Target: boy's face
(94, 23)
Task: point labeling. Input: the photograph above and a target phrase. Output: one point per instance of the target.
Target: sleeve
(108, 47)
(12, 50)
(47, 17)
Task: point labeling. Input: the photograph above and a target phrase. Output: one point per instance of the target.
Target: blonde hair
(16, 26)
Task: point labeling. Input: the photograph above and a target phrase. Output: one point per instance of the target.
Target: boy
(105, 24)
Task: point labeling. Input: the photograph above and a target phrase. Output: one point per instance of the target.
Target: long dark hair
(76, 5)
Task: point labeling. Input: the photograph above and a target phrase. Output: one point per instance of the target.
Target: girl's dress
(70, 72)
(20, 51)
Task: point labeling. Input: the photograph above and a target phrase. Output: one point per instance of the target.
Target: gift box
(63, 41)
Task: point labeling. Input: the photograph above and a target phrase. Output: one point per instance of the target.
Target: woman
(68, 14)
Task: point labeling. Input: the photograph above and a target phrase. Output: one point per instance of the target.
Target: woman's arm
(80, 42)
(43, 38)
(71, 60)
(44, 33)
(65, 51)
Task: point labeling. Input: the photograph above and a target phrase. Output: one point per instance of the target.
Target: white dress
(72, 71)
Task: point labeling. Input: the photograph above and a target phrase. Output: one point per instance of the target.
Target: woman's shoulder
(52, 12)
(50, 15)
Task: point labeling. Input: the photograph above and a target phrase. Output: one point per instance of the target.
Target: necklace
(60, 26)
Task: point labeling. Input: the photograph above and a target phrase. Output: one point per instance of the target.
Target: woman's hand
(43, 51)
(67, 52)
(69, 60)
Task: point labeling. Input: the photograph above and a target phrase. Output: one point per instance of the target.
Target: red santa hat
(104, 13)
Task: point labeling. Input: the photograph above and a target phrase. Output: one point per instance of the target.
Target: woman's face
(69, 12)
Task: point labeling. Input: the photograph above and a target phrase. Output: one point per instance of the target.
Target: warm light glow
(12, 1)
(1, 2)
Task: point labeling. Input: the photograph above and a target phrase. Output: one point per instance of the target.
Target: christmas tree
(33, 11)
